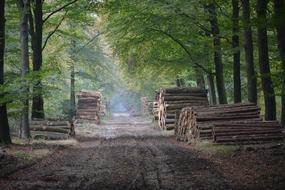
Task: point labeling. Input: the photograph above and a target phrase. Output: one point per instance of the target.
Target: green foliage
(158, 41)
(128, 47)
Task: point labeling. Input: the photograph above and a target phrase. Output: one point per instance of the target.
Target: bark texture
(38, 101)
(212, 89)
(217, 54)
(72, 92)
(200, 78)
(279, 7)
(251, 75)
(4, 125)
(267, 85)
(24, 8)
(236, 54)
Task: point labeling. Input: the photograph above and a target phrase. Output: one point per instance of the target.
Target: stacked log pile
(103, 109)
(144, 106)
(247, 133)
(172, 100)
(233, 123)
(52, 129)
(89, 105)
(153, 109)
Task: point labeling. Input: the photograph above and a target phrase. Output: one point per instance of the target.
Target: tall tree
(4, 125)
(279, 7)
(219, 70)
(24, 7)
(236, 57)
(37, 36)
(36, 29)
(199, 78)
(72, 81)
(249, 59)
(212, 89)
(267, 85)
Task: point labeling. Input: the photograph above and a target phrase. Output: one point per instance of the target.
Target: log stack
(144, 105)
(89, 106)
(103, 109)
(197, 122)
(248, 133)
(153, 107)
(172, 100)
(52, 129)
(231, 123)
(155, 110)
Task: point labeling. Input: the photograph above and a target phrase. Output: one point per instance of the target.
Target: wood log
(229, 117)
(197, 121)
(58, 127)
(184, 90)
(89, 93)
(57, 123)
(49, 129)
(170, 126)
(199, 94)
(249, 124)
(168, 102)
(49, 123)
(172, 100)
(187, 98)
(38, 122)
(48, 135)
(249, 138)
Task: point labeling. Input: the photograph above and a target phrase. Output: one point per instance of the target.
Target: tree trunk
(199, 78)
(24, 35)
(218, 54)
(251, 75)
(38, 102)
(72, 92)
(72, 82)
(4, 125)
(212, 89)
(179, 82)
(279, 7)
(236, 58)
(267, 85)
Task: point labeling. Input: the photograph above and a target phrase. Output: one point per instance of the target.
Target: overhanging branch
(59, 9)
(53, 32)
(183, 47)
(87, 43)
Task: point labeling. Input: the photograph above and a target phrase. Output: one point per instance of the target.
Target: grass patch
(213, 149)
(22, 155)
(25, 158)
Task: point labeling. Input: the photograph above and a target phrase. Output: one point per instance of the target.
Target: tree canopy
(235, 49)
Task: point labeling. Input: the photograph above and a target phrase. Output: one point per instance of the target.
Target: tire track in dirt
(122, 161)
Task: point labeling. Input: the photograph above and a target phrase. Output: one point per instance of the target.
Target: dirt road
(125, 153)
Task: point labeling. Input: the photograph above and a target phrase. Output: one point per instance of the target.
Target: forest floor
(131, 153)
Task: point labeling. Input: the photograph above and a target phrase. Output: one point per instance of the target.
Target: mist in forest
(118, 105)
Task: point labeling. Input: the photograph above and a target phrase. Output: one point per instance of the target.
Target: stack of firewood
(172, 100)
(153, 109)
(247, 133)
(89, 105)
(52, 129)
(144, 105)
(103, 109)
(231, 123)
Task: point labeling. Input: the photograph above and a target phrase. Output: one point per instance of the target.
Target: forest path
(125, 153)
